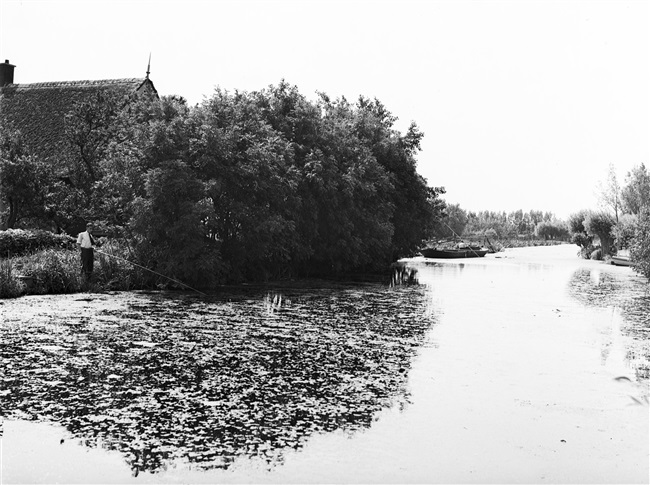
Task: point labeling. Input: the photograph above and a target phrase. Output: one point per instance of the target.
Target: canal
(527, 366)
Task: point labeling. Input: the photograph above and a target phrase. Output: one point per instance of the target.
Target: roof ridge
(89, 83)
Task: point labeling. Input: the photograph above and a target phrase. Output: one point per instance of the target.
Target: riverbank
(57, 271)
(529, 365)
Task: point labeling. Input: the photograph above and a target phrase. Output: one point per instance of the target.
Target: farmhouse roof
(38, 110)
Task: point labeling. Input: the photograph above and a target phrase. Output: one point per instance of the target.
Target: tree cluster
(640, 244)
(245, 186)
(622, 223)
(457, 222)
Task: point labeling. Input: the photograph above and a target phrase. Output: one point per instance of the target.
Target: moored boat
(622, 258)
(621, 261)
(454, 252)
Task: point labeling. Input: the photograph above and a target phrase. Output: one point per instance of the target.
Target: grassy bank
(56, 271)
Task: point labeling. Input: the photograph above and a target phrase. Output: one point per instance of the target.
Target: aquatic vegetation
(163, 378)
(602, 287)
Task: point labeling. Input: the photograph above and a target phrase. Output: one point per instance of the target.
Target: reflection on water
(165, 378)
(403, 274)
(628, 300)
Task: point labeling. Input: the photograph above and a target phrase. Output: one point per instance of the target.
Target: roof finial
(149, 65)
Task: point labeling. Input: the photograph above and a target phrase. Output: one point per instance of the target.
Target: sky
(523, 104)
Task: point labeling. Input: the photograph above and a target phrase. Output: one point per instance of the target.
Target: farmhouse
(38, 110)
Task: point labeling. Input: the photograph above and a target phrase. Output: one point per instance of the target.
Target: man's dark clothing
(87, 259)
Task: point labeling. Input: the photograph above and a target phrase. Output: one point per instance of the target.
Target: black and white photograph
(324, 241)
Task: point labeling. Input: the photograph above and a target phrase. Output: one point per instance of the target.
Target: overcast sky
(524, 104)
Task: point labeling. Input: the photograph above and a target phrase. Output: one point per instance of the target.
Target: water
(531, 366)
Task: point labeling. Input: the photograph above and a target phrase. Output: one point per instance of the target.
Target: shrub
(17, 242)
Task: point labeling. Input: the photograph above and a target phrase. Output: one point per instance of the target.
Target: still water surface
(526, 366)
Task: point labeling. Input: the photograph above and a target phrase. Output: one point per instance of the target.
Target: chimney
(6, 73)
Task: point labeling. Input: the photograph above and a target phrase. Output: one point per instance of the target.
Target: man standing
(86, 241)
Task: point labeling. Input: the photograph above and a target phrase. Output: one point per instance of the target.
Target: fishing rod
(151, 271)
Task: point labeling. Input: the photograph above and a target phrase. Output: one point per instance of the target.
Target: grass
(53, 271)
(10, 286)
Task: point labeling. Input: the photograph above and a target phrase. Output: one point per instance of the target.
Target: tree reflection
(629, 297)
(210, 381)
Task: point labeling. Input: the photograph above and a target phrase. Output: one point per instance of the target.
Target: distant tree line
(244, 186)
(500, 225)
(622, 223)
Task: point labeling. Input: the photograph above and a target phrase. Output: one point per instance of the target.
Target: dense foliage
(579, 234)
(244, 186)
(625, 225)
(635, 195)
(22, 180)
(640, 247)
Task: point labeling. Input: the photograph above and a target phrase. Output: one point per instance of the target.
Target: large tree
(636, 193)
(251, 185)
(601, 224)
(610, 193)
(326, 187)
(166, 223)
(417, 207)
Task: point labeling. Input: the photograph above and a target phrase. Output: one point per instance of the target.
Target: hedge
(18, 242)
